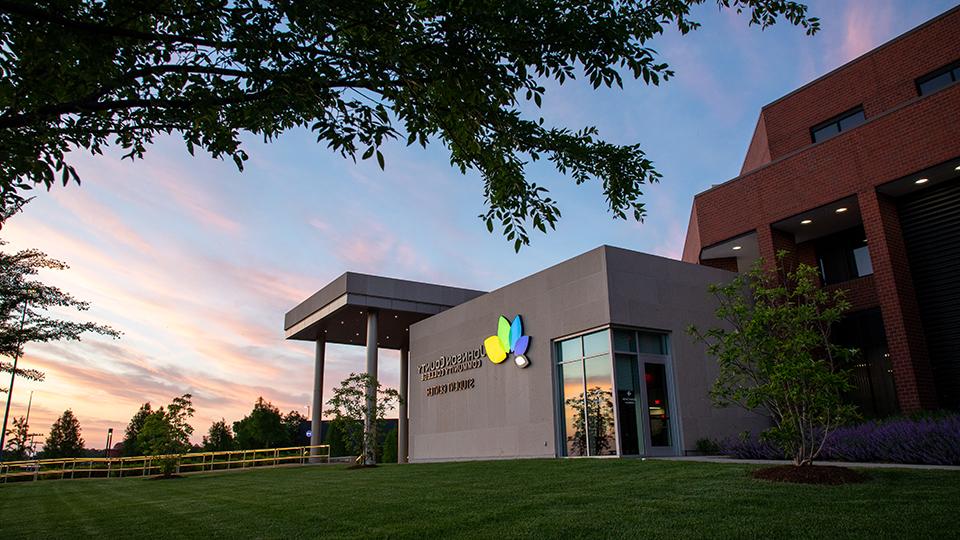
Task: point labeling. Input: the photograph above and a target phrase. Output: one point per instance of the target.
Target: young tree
(775, 355)
(64, 439)
(166, 433)
(262, 428)
(349, 407)
(18, 443)
(89, 74)
(24, 318)
(219, 438)
(130, 446)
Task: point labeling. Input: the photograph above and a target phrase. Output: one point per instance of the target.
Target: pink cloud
(867, 23)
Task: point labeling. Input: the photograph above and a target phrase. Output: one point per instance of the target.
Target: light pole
(13, 376)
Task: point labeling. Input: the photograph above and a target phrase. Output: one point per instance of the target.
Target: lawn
(585, 498)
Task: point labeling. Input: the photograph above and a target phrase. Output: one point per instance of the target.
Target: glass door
(657, 406)
(644, 394)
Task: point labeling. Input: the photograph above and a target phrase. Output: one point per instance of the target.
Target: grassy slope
(549, 498)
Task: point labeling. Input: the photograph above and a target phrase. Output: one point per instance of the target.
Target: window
(873, 391)
(643, 395)
(586, 390)
(835, 125)
(938, 79)
(844, 256)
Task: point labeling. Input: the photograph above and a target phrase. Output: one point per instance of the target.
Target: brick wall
(879, 81)
(787, 175)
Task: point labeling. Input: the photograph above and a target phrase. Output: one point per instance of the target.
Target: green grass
(585, 498)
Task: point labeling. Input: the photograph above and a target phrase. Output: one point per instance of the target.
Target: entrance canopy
(338, 312)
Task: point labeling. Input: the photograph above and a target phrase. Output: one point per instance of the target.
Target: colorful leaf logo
(509, 339)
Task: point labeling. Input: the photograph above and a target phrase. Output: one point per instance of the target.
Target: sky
(196, 263)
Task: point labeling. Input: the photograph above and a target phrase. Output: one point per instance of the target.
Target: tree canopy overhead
(88, 74)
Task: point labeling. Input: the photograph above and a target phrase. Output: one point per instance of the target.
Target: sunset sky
(196, 263)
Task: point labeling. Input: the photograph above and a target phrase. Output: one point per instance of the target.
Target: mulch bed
(810, 474)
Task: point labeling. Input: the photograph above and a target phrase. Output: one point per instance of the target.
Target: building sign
(455, 386)
(448, 365)
(509, 339)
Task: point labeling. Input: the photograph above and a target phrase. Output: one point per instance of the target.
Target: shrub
(708, 447)
(930, 439)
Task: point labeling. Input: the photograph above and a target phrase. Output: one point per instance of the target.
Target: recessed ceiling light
(735, 248)
(806, 222)
(841, 210)
(922, 181)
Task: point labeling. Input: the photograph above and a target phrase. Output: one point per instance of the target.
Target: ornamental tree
(775, 355)
(349, 409)
(467, 75)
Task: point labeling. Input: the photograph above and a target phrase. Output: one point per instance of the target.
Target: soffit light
(735, 248)
(841, 210)
(922, 181)
(806, 222)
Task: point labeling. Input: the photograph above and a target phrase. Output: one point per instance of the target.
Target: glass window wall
(586, 376)
(595, 410)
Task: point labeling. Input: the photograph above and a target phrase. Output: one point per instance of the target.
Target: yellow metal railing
(83, 467)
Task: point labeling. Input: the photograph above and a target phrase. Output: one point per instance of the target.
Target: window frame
(952, 69)
(835, 121)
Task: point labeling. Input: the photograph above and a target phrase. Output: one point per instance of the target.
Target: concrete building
(586, 358)
(857, 173)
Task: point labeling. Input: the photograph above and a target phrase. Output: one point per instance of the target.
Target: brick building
(858, 173)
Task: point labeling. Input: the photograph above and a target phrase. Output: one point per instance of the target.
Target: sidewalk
(717, 459)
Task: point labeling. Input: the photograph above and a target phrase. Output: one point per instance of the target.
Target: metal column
(317, 408)
(370, 420)
(404, 424)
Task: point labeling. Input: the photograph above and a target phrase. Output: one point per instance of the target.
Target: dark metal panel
(930, 221)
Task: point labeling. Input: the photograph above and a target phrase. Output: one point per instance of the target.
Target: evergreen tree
(219, 438)
(130, 446)
(64, 439)
(389, 447)
(336, 438)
